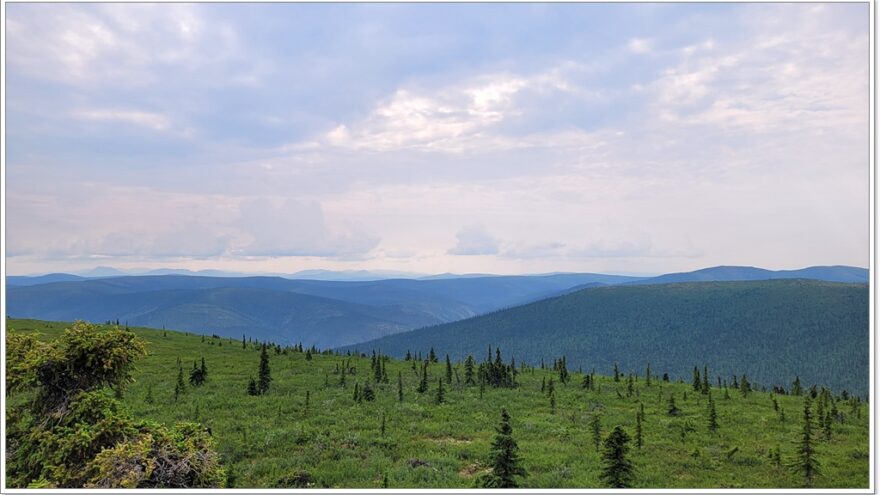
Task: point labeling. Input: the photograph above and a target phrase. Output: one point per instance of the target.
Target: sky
(431, 138)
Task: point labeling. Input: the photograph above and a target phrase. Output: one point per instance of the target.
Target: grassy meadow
(278, 440)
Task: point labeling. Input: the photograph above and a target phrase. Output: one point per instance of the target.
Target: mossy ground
(269, 440)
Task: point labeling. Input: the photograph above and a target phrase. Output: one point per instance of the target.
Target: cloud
(639, 45)
(285, 227)
(474, 240)
(150, 120)
(451, 119)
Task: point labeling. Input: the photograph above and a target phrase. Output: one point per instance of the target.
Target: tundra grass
(275, 439)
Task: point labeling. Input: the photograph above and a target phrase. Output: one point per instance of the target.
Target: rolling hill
(769, 330)
(849, 274)
(323, 313)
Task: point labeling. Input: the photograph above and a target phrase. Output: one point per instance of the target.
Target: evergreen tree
(377, 368)
(469, 370)
(441, 396)
(648, 375)
(243, 343)
(617, 470)
(356, 395)
(804, 463)
(712, 415)
(639, 430)
(179, 387)
(629, 385)
(796, 386)
(705, 386)
(252, 387)
(432, 357)
(448, 370)
(423, 383)
(596, 430)
(553, 403)
(744, 386)
(586, 383)
(698, 384)
(543, 384)
(264, 376)
(306, 408)
(382, 429)
(399, 387)
(505, 458)
(826, 425)
(671, 409)
(367, 393)
(342, 376)
(616, 373)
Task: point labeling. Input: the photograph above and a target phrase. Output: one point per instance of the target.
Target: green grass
(338, 441)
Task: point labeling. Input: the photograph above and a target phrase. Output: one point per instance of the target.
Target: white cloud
(474, 240)
(453, 119)
(639, 45)
(150, 120)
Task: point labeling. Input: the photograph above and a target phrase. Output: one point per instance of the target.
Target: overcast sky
(436, 138)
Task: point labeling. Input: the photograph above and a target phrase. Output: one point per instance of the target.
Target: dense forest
(773, 331)
(105, 406)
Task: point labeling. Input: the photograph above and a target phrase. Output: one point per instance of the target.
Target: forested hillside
(771, 330)
(287, 417)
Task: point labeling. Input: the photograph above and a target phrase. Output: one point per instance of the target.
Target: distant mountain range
(770, 330)
(839, 273)
(326, 313)
(323, 313)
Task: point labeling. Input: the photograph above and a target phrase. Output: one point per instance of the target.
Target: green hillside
(277, 440)
(772, 331)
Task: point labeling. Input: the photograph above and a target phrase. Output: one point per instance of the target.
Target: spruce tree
(804, 463)
(432, 357)
(671, 409)
(698, 384)
(705, 385)
(448, 370)
(441, 396)
(252, 387)
(505, 458)
(367, 393)
(306, 408)
(264, 376)
(617, 470)
(796, 386)
(382, 429)
(648, 375)
(639, 430)
(469, 370)
(616, 373)
(744, 386)
(712, 415)
(553, 403)
(423, 383)
(596, 430)
(399, 387)
(179, 387)
(356, 395)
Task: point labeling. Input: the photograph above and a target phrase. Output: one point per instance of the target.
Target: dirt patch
(471, 470)
(449, 440)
